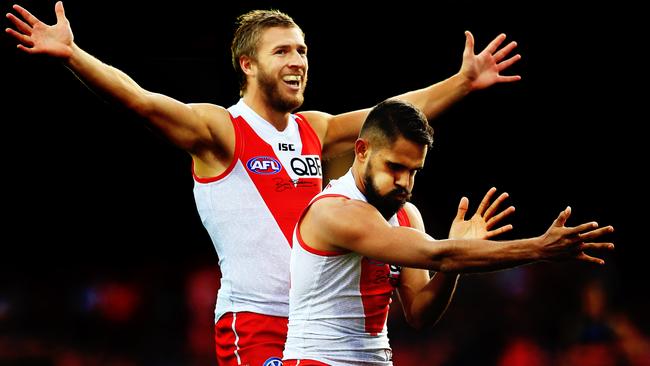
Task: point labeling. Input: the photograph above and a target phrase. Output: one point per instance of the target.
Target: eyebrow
(402, 166)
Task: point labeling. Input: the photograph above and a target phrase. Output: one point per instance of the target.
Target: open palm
(482, 224)
(484, 70)
(36, 37)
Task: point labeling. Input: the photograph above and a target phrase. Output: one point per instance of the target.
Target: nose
(403, 180)
(298, 59)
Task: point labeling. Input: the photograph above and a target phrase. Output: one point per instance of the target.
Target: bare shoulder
(210, 112)
(344, 219)
(215, 117)
(318, 121)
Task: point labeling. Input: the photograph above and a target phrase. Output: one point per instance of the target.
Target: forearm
(106, 80)
(436, 98)
(467, 256)
(432, 301)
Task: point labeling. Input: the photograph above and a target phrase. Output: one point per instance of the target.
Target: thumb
(462, 209)
(564, 215)
(469, 43)
(60, 13)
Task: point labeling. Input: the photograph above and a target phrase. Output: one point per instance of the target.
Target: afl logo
(273, 361)
(265, 165)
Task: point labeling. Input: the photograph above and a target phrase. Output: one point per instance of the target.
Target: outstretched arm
(335, 223)
(477, 71)
(185, 125)
(425, 300)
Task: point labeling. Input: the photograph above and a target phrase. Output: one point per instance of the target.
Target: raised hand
(36, 37)
(567, 243)
(484, 70)
(482, 224)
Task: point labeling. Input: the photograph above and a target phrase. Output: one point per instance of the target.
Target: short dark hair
(393, 118)
(248, 33)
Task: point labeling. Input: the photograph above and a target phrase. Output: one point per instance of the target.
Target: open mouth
(292, 80)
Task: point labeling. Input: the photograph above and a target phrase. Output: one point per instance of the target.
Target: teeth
(291, 78)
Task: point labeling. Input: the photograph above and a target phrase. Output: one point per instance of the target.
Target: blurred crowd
(547, 314)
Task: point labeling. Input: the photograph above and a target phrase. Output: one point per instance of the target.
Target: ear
(361, 149)
(247, 65)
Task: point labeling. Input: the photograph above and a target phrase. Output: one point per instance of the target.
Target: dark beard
(270, 88)
(387, 205)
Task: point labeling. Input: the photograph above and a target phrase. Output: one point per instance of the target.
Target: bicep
(185, 125)
(412, 280)
(337, 132)
(358, 227)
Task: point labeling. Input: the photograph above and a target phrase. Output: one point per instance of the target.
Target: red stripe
(377, 284)
(284, 199)
(403, 218)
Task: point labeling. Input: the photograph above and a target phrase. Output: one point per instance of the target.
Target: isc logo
(263, 165)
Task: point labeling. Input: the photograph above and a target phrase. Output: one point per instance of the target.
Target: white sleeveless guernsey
(339, 301)
(251, 209)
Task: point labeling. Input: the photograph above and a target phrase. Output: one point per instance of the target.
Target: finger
(469, 43)
(587, 258)
(486, 201)
(597, 246)
(498, 231)
(596, 233)
(495, 205)
(507, 63)
(495, 43)
(20, 25)
(564, 215)
(25, 49)
(462, 209)
(29, 18)
(60, 13)
(582, 228)
(23, 39)
(508, 79)
(494, 220)
(505, 51)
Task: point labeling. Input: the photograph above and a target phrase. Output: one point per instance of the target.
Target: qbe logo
(265, 165)
(307, 166)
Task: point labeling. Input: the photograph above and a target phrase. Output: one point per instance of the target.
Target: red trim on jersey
(305, 246)
(403, 218)
(284, 198)
(377, 283)
(238, 147)
(308, 130)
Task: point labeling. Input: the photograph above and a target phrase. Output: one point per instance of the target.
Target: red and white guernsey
(251, 209)
(339, 301)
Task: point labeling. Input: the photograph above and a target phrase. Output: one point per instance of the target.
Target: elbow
(420, 323)
(449, 266)
(415, 322)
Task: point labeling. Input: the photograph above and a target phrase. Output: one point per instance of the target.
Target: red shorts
(250, 339)
(303, 363)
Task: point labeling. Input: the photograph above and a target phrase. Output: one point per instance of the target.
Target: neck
(256, 102)
(358, 177)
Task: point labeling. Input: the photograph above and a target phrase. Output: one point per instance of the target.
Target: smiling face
(279, 71)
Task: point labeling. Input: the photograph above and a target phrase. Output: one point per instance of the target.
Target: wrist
(463, 83)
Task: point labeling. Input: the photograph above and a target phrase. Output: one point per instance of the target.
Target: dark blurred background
(104, 260)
